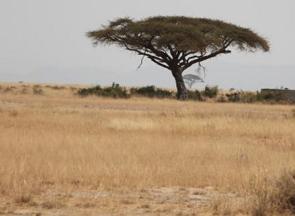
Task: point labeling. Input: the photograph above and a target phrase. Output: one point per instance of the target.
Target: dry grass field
(126, 157)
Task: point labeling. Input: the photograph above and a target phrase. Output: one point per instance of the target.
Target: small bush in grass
(37, 90)
(115, 91)
(274, 196)
(8, 89)
(90, 91)
(147, 91)
(210, 92)
(55, 87)
(244, 97)
(222, 99)
(249, 97)
(162, 93)
(234, 97)
(194, 95)
(284, 196)
(151, 91)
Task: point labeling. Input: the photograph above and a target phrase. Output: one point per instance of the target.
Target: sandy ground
(154, 201)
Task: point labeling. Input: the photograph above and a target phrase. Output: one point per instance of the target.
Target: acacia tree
(176, 43)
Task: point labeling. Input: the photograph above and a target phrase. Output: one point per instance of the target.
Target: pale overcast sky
(44, 41)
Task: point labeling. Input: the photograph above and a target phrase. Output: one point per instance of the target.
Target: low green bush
(114, 91)
(210, 92)
(194, 95)
(151, 91)
(90, 91)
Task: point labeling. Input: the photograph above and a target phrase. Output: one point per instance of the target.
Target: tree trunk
(181, 89)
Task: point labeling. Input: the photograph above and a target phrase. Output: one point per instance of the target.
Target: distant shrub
(8, 89)
(271, 96)
(222, 99)
(195, 95)
(243, 97)
(55, 87)
(234, 97)
(114, 91)
(37, 90)
(151, 91)
(90, 91)
(210, 92)
(24, 90)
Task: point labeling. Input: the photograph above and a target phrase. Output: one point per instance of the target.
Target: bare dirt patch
(152, 201)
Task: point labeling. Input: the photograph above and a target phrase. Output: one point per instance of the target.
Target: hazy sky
(44, 41)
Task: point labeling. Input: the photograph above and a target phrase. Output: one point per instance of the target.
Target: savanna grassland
(60, 152)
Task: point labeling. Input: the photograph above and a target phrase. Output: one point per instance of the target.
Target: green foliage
(151, 91)
(90, 91)
(210, 92)
(183, 33)
(114, 91)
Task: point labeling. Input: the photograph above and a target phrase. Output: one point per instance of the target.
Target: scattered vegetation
(195, 95)
(8, 89)
(115, 91)
(37, 90)
(254, 97)
(151, 91)
(210, 92)
(55, 87)
(244, 97)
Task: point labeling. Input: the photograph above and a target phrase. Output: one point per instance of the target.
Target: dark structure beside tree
(279, 94)
(176, 43)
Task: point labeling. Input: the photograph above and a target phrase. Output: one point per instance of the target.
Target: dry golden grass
(59, 140)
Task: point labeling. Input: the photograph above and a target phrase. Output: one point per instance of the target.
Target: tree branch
(159, 63)
(203, 58)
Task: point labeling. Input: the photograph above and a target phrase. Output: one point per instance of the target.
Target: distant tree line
(212, 93)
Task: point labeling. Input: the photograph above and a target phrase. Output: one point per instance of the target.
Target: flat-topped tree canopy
(178, 42)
